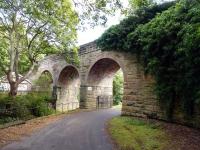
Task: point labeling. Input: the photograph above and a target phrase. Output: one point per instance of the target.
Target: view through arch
(44, 83)
(101, 78)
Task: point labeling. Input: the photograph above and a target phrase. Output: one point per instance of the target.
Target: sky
(90, 35)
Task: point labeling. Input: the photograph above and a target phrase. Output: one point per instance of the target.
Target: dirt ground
(14, 133)
(183, 138)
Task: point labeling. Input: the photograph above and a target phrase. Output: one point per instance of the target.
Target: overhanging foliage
(168, 44)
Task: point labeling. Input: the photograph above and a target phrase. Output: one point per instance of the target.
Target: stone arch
(138, 97)
(102, 71)
(99, 80)
(44, 81)
(110, 56)
(64, 67)
(47, 72)
(68, 86)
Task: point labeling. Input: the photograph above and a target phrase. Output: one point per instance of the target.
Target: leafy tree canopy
(115, 38)
(30, 29)
(140, 3)
(95, 12)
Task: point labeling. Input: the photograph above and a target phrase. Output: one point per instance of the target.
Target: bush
(39, 107)
(14, 108)
(38, 103)
(4, 120)
(24, 106)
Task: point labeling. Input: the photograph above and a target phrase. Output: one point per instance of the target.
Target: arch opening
(44, 83)
(68, 89)
(104, 80)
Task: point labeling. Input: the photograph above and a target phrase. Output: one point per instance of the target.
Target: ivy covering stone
(166, 39)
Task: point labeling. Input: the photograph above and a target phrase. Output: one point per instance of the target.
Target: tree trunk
(13, 89)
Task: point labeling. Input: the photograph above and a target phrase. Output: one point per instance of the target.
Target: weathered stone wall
(54, 64)
(67, 85)
(138, 99)
(94, 78)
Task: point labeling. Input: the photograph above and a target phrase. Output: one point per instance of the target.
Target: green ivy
(115, 38)
(168, 45)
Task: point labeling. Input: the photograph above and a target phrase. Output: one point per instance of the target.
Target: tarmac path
(78, 131)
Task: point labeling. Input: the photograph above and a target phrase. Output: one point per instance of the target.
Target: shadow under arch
(112, 58)
(68, 86)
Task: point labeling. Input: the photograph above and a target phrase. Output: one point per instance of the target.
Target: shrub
(25, 106)
(14, 108)
(4, 120)
(39, 107)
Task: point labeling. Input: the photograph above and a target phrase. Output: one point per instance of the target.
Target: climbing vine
(167, 42)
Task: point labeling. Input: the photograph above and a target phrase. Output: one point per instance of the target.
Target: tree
(140, 3)
(95, 12)
(135, 5)
(30, 29)
(118, 87)
(171, 52)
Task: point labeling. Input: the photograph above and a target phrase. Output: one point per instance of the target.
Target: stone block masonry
(94, 78)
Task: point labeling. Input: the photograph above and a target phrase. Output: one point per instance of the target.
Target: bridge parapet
(88, 48)
(94, 78)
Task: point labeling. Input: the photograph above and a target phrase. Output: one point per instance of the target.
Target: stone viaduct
(80, 86)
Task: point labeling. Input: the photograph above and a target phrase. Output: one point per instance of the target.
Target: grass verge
(134, 134)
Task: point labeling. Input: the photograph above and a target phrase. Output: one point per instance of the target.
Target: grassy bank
(133, 134)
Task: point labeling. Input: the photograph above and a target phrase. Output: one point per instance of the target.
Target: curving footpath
(78, 131)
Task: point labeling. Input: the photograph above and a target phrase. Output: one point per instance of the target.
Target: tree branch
(38, 32)
(27, 74)
(3, 21)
